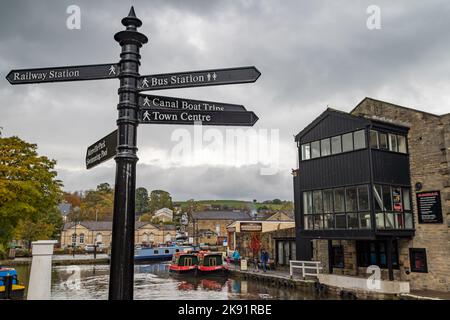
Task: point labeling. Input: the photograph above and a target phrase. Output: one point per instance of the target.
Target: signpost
(104, 149)
(201, 78)
(70, 73)
(134, 108)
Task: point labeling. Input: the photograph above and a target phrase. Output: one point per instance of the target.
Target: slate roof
(221, 215)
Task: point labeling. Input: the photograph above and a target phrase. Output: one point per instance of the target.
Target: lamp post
(76, 217)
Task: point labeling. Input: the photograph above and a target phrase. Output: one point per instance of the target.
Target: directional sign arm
(217, 118)
(160, 102)
(213, 77)
(69, 73)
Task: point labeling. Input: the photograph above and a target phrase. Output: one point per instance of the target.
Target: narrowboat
(161, 253)
(183, 262)
(17, 290)
(211, 263)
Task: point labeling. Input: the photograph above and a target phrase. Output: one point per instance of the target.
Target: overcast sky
(312, 54)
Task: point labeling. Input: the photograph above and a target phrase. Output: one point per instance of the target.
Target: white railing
(308, 268)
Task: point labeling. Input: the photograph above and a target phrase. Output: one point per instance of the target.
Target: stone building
(275, 236)
(99, 232)
(210, 227)
(373, 188)
(164, 215)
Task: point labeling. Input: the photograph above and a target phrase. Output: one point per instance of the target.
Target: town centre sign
(134, 108)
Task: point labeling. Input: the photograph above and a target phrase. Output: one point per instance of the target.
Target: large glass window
(328, 201)
(329, 221)
(341, 222)
(364, 220)
(339, 200)
(387, 199)
(374, 139)
(352, 220)
(374, 253)
(317, 201)
(363, 198)
(308, 220)
(350, 199)
(336, 145)
(359, 138)
(307, 202)
(347, 142)
(406, 199)
(325, 147)
(393, 142)
(306, 151)
(401, 141)
(383, 141)
(315, 149)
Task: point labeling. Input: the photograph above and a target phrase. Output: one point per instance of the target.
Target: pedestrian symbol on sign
(112, 70)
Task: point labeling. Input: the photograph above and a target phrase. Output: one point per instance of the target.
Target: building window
(383, 141)
(317, 201)
(337, 257)
(328, 201)
(363, 198)
(352, 220)
(401, 141)
(347, 142)
(393, 206)
(98, 238)
(375, 253)
(306, 151)
(374, 139)
(387, 199)
(328, 221)
(81, 238)
(315, 149)
(359, 138)
(364, 220)
(336, 145)
(350, 199)
(325, 147)
(393, 142)
(307, 202)
(418, 260)
(74, 239)
(341, 221)
(339, 200)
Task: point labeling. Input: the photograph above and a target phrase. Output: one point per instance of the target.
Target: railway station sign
(251, 227)
(231, 118)
(151, 101)
(69, 73)
(104, 149)
(198, 78)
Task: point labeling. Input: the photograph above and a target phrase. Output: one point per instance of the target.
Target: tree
(142, 200)
(160, 199)
(104, 188)
(29, 190)
(276, 201)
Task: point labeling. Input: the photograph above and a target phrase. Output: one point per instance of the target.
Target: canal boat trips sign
(134, 108)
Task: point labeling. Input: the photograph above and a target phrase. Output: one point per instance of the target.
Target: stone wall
(429, 150)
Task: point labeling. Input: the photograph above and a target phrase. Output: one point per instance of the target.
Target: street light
(76, 211)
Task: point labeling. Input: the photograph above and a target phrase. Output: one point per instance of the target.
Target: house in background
(164, 215)
(99, 232)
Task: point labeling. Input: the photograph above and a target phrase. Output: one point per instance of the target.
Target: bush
(3, 252)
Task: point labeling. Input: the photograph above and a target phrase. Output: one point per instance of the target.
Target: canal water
(153, 282)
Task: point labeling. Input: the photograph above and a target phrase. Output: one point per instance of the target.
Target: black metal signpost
(134, 108)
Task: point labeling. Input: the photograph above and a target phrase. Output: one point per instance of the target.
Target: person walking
(264, 259)
(236, 258)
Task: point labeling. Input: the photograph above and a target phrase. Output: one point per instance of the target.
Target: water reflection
(153, 281)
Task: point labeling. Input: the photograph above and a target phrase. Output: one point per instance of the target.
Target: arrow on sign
(104, 149)
(230, 118)
(198, 78)
(157, 102)
(69, 73)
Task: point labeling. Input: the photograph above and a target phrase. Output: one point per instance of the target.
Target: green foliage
(94, 205)
(29, 190)
(142, 201)
(160, 199)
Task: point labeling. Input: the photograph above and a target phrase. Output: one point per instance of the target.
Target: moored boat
(12, 290)
(157, 253)
(211, 263)
(183, 262)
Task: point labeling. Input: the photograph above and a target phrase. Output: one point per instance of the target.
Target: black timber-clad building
(353, 183)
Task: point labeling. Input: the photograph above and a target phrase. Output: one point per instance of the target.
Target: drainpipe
(41, 270)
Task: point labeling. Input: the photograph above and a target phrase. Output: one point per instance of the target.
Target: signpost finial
(131, 19)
